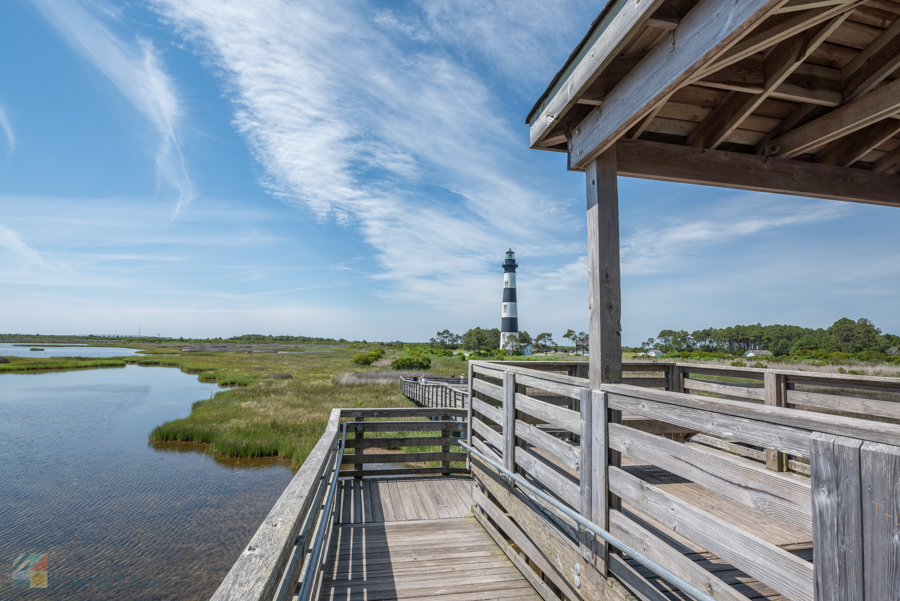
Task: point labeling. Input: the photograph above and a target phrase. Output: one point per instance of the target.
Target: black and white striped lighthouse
(509, 321)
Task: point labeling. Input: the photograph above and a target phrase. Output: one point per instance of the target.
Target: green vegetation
(368, 358)
(845, 340)
(260, 416)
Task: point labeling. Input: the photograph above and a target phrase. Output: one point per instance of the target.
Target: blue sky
(357, 169)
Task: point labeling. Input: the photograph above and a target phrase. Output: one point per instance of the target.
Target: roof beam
(612, 34)
(667, 162)
(889, 163)
(665, 17)
(864, 111)
(873, 64)
(782, 28)
(846, 151)
(795, 5)
(707, 31)
(778, 64)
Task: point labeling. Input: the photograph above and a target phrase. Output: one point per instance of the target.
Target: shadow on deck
(415, 538)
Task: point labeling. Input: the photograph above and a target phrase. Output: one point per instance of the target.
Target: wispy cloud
(652, 250)
(136, 69)
(7, 129)
(353, 118)
(12, 242)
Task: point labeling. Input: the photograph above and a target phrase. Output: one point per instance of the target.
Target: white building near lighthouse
(509, 316)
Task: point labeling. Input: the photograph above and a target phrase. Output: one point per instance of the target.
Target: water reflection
(19, 350)
(118, 517)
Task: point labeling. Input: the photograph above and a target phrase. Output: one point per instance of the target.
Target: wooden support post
(444, 434)
(880, 509)
(359, 435)
(676, 378)
(469, 414)
(509, 421)
(837, 517)
(586, 475)
(605, 343)
(775, 386)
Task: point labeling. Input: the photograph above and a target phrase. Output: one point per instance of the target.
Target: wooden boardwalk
(415, 539)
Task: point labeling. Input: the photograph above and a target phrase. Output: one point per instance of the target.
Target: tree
(478, 339)
(525, 338)
(648, 344)
(582, 342)
(544, 342)
(571, 335)
(512, 343)
(446, 339)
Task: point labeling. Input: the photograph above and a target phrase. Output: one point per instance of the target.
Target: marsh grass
(27, 364)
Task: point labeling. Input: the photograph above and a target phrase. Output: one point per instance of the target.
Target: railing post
(358, 434)
(586, 475)
(775, 397)
(676, 378)
(509, 421)
(471, 392)
(839, 509)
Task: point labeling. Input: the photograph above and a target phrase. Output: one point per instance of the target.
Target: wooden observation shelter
(650, 481)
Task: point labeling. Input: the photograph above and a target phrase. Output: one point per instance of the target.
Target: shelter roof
(793, 96)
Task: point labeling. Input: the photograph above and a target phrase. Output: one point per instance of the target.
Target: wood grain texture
(659, 551)
(509, 421)
(881, 519)
(604, 279)
(668, 162)
(794, 419)
(771, 565)
(783, 497)
(704, 33)
(775, 393)
(865, 110)
(837, 517)
(610, 36)
(708, 421)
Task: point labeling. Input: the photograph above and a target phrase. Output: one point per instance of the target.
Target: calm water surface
(14, 350)
(120, 518)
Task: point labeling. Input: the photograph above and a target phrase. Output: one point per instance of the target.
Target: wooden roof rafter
(787, 82)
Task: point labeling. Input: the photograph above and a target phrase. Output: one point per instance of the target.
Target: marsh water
(118, 517)
(24, 350)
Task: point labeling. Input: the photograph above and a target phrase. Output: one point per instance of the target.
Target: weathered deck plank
(415, 539)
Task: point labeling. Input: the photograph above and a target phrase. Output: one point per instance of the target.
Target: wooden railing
(287, 550)
(667, 497)
(436, 393)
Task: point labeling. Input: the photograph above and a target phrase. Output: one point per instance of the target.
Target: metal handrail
(312, 567)
(645, 561)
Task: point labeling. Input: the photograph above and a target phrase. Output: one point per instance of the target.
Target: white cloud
(7, 129)
(11, 241)
(657, 249)
(136, 69)
(412, 147)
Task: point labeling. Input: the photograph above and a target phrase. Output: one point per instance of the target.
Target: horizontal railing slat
(493, 437)
(566, 454)
(656, 549)
(782, 571)
(486, 388)
(404, 412)
(492, 413)
(890, 409)
(406, 471)
(758, 394)
(795, 418)
(777, 495)
(551, 414)
(739, 429)
(409, 441)
(362, 458)
(422, 426)
(547, 478)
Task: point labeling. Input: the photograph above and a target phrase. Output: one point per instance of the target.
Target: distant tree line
(843, 336)
(263, 339)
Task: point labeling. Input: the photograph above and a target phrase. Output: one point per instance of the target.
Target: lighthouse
(509, 320)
